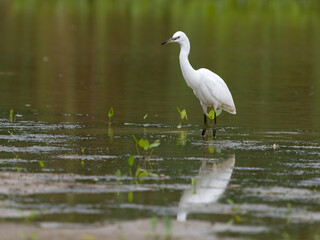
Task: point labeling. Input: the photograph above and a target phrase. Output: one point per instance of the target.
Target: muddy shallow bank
(135, 230)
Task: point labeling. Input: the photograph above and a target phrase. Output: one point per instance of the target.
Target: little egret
(208, 87)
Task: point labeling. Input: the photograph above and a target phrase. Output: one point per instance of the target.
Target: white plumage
(208, 87)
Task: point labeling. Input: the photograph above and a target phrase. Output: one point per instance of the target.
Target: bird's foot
(214, 133)
(203, 134)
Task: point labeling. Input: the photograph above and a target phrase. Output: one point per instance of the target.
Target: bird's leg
(214, 130)
(205, 125)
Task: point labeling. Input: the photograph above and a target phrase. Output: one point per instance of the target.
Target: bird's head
(178, 37)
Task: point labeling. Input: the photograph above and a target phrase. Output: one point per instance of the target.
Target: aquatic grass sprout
(183, 115)
(41, 164)
(110, 115)
(11, 115)
(137, 171)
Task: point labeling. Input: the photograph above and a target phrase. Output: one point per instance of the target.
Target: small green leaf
(82, 162)
(130, 160)
(110, 113)
(41, 164)
(130, 197)
(155, 144)
(179, 111)
(82, 150)
(218, 112)
(211, 114)
(184, 114)
(144, 143)
(145, 116)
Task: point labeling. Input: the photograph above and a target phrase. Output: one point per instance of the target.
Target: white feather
(208, 87)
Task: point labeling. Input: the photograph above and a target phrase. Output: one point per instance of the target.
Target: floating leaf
(211, 114)
(184, 114)
(218, 112)
(41, 164)
(144, 143)
(155, 144)
(82, 162)
(145, 116)
(130, 160)
(110, 113)
(82, 150)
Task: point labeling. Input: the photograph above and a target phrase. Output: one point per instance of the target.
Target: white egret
(208, 87)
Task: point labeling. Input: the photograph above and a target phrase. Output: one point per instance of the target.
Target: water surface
(63, 65)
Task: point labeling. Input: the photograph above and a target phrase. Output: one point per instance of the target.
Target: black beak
(168, 41)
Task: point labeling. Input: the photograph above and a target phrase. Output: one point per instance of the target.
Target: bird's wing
(213, 91)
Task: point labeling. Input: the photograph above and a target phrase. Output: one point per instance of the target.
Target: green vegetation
(194, 184)
(236, 211)
(146, 147)
(182, 115)
(110, 115)
(11, 115)
(41, 164)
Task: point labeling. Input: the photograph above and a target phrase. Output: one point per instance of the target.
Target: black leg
(205, 125)
(214, 127)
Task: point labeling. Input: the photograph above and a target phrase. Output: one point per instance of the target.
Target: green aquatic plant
(82, 151)
(110, 115)
(194, 184)
(41, 164)
(211, 114)
(183, 115)
(11, 115)
(236, 211)
(146, 147)
(130, 197)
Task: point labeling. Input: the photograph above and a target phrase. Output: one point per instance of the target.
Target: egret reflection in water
(212, 181)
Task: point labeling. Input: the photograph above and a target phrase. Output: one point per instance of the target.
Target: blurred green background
(85, 56)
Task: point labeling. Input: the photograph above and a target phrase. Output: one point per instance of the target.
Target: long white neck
(189, 74)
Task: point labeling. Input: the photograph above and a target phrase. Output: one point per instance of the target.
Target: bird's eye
(178, 37)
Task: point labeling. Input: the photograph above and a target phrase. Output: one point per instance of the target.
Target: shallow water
(62, 66)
